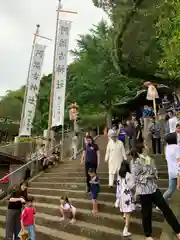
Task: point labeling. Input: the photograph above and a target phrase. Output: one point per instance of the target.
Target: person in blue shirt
(95, 189)
(90, 158)
(165, 101)
(121, 133)
(147, 111)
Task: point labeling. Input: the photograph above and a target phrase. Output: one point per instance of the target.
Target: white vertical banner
(32, 90)
(60, 73)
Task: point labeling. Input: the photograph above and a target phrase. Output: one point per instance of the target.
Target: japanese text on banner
(32, 90)
(60, 73)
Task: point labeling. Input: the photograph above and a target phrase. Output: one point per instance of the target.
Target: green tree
(135, 50)
(168, 33)
(11, 104)
(95, 80)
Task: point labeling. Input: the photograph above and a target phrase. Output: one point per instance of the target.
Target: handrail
(33, 160)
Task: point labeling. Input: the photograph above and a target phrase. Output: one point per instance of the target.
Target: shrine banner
(60, 73)
(32, 90)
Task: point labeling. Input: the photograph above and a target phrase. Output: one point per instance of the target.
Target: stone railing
(30, 154)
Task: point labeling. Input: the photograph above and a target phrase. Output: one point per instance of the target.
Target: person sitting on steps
(67, 210)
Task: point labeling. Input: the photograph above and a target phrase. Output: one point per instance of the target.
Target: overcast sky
(18, 19)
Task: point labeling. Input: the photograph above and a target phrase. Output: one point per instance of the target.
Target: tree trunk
(109, 118)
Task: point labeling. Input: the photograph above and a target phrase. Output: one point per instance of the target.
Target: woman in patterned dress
(124, 195)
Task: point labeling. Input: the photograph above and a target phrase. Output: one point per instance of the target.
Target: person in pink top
(28, 218)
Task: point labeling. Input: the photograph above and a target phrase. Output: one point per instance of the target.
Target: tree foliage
(168, 32)
(135, 50)
(94, 77)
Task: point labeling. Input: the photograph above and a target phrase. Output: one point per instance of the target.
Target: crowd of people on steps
(134, 174)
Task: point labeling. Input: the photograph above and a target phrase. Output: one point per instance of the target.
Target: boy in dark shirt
(95, 189)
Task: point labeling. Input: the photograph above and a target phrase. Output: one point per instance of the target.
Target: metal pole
(29, 69)
(54, 68)
(62, 143)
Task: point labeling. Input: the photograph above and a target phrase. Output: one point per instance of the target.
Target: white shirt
(74, 142)
(171, 153)
(67, 206)
(172, 124)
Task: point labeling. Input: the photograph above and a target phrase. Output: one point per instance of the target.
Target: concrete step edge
(84, 211)
(76, 172)
(82, 224)
(66, 190)
(73, 190)
(80, 200)
(49, 231)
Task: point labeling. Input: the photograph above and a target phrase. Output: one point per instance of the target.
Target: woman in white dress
(124, 195)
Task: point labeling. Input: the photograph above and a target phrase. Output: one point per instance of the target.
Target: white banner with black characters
(32, 90)
(60, 73)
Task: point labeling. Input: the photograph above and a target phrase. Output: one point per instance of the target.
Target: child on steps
(95, 189)
(28, 219)
(67, 210)
(124, 195)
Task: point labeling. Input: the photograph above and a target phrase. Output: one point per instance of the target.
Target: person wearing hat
(115, 154)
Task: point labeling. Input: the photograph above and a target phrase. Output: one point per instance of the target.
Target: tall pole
(29, 69)
(54, 68)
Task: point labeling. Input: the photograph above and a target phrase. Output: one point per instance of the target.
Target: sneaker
(149, 238)
(158, 209)
(126, 233)
(116, 204)
(62, 219)
(73, 220)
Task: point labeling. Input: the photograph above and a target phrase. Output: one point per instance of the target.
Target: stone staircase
(68, 179)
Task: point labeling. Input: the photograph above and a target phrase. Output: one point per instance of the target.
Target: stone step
(104, 167)
(47, 212)
(77, 179)
(161, 174)
(74, 193)
(104, 206)
(46, 233)
(82, 185)
(100, 169)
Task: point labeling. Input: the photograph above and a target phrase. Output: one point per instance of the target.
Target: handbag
(23, 235)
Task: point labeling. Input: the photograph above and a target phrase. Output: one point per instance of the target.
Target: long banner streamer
(60, 73)
(32, 90)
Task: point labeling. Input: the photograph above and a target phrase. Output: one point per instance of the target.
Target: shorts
(31, 232)
(94, 195)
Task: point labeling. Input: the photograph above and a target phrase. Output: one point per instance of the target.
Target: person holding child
(67, 210)
(17, 198)
(28, 218)
(124, 195)
(95, 189)
(90, 158)
(145, 175)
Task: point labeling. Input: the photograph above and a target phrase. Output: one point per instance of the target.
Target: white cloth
(74, 142)
(68, 206)
(112, 178)
(172, 124)
(115, 154)
(124, 194)
(152, 93)
(171, 152)
(75, 146)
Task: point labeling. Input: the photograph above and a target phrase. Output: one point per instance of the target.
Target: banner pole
(54, 68)
(29, 69)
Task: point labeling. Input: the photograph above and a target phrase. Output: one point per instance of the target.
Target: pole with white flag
(32, 86)
(58, 88)
(29, 68)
